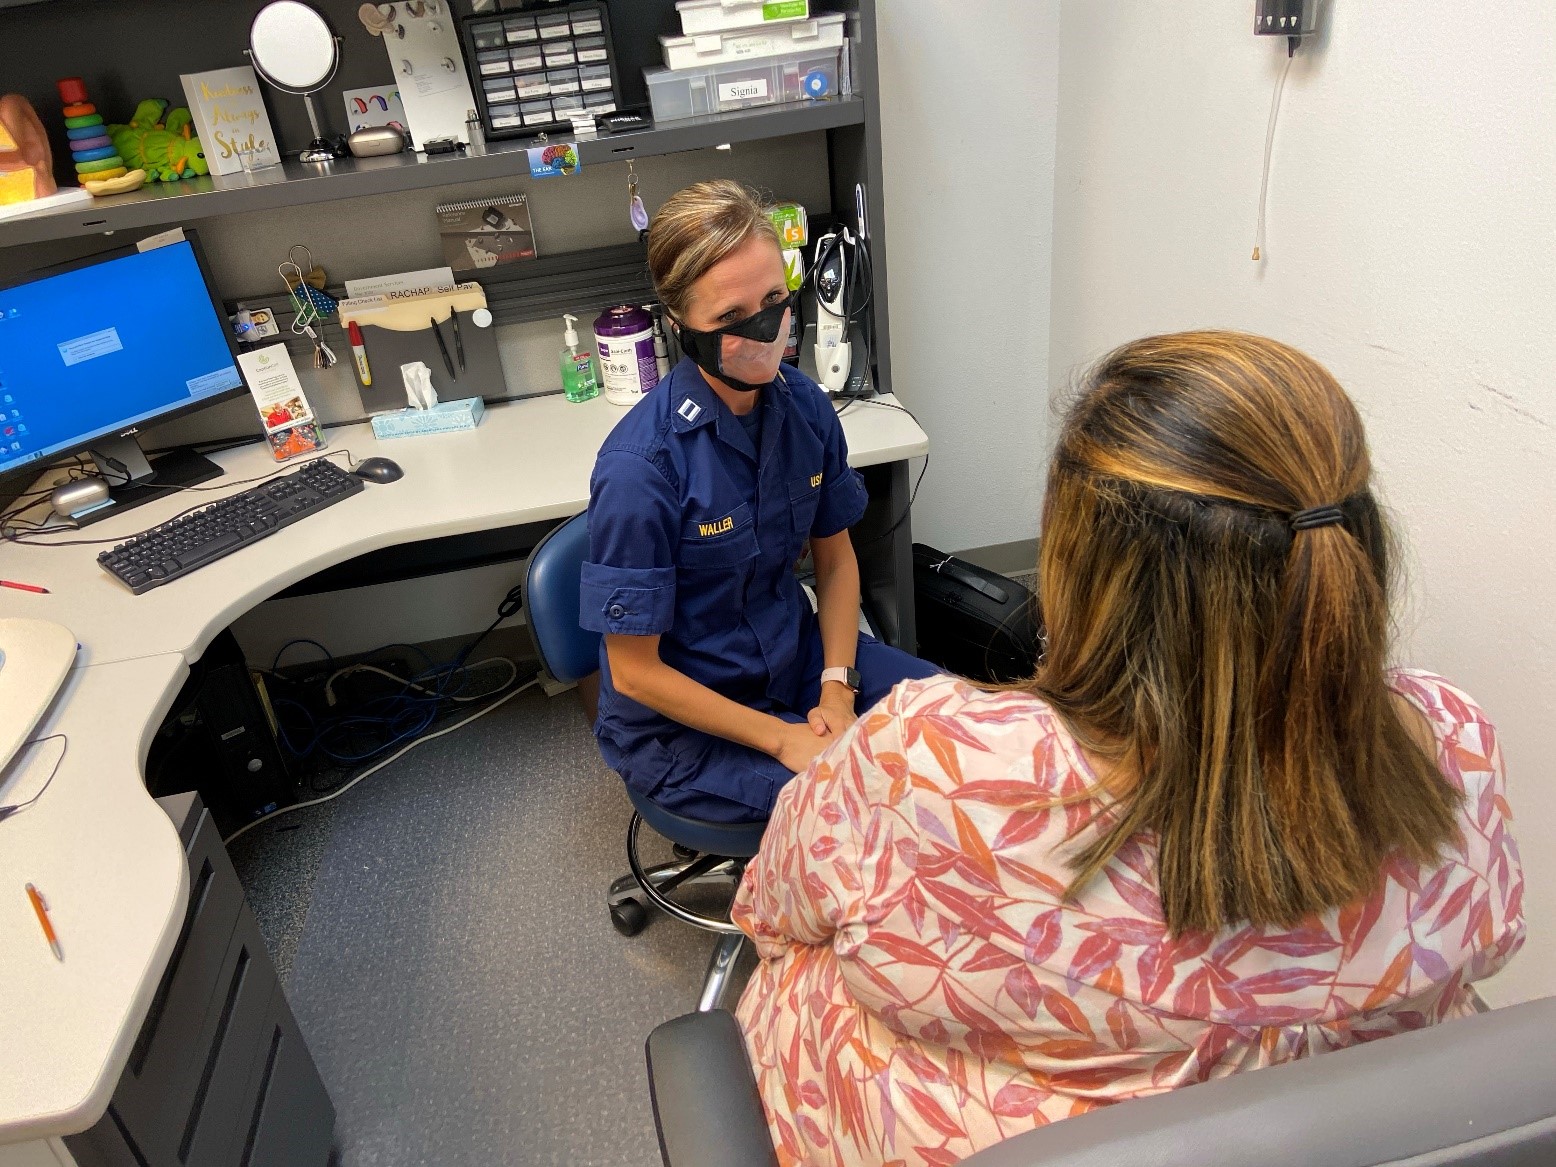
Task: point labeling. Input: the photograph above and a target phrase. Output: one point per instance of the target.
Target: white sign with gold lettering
(229, 115)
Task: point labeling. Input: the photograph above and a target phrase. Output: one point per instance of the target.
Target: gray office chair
(706, 853)
(1477, 1092)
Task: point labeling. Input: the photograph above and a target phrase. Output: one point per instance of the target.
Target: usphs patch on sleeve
(690, 410)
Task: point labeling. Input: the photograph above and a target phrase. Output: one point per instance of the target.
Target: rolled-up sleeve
(628, 583)
(843, 494)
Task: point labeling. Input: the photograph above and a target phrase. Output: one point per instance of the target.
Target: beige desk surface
(96, 845)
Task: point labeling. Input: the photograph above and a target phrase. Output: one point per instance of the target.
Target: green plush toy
(161, 142)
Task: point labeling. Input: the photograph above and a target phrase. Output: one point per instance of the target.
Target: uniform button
(617, 611)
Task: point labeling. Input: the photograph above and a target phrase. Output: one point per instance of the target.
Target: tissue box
(442, 418)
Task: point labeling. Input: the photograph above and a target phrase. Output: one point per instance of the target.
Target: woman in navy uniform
(718, 683)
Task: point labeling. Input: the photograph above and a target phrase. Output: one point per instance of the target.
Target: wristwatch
(842, 673)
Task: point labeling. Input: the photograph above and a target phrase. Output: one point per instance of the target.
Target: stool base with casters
(706, 853)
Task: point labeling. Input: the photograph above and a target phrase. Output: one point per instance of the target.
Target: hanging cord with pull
(1269, 146)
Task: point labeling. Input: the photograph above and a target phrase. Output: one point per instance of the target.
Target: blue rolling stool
(706, 852)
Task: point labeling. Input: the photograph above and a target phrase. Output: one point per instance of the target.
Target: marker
(21, 587)
(42, 909)
(359, 351)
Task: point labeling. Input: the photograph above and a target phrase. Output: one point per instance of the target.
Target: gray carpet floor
(450, 959)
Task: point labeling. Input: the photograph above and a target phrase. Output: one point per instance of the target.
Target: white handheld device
(834, 353)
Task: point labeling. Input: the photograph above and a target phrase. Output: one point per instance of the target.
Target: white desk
(96, 844)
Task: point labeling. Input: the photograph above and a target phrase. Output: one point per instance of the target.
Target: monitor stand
(133, 480)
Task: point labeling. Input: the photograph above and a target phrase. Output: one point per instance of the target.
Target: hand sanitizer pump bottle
(579, 380)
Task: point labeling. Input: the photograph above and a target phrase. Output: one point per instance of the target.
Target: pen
(21, 587)
(42, 908)
(448, 361)
(459, 345)
(359, 351)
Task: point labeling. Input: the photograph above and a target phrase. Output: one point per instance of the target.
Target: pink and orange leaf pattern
(925, 991)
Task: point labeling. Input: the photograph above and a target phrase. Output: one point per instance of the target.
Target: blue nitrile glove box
(442, 418)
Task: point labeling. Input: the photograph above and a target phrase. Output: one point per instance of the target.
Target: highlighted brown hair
(695, 229)
(1231, 668)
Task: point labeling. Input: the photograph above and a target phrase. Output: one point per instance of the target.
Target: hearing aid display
(421, 39)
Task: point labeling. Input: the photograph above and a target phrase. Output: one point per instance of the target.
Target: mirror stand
(321, 149)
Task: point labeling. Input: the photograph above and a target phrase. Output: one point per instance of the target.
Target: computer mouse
(379, 470)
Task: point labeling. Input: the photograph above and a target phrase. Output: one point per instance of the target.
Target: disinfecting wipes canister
(624, 340)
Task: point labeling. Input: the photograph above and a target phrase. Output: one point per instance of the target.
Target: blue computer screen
(101, 348)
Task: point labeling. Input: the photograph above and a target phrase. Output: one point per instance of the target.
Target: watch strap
(842, 674)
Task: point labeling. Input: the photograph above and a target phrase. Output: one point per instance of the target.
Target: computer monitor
(93, 351)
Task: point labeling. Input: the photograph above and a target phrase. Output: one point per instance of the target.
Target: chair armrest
(706, 1107)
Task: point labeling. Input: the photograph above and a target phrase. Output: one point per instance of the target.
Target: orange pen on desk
(23, 587)
(40, 906)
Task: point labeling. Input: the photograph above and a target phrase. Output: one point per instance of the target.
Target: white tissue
(419, 393)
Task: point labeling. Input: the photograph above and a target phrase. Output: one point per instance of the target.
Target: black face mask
(725, 352)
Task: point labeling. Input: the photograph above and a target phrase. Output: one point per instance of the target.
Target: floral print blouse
(924, 991)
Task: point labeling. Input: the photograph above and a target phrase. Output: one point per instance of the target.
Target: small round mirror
(293, 46)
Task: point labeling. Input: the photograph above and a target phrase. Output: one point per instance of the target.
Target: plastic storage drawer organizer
(683, 93)
(533, 69)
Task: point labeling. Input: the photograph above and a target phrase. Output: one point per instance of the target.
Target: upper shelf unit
(296, 183)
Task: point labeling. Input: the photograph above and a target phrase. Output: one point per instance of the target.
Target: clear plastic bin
(684, 93)
(498, 89)
(587, 24)
(594, 78)
(526, 58)
(531, 85)
(553, 25)
(505, 117)
(520, 30)
(487, 36)
(563, 81)
(536, 113)
(489, 62)
(598, 103)
(591, 50)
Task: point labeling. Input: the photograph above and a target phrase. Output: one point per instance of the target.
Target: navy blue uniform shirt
(694, 534)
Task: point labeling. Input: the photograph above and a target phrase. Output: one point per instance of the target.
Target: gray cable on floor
(377, 766)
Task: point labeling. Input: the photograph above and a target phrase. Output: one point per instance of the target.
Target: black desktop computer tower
(219, 739)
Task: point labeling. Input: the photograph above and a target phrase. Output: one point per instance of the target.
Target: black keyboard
(190, 541)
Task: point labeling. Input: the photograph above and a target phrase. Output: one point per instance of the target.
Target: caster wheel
(629, 917)
(684, 854)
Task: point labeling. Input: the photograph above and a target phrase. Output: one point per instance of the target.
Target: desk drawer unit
(219, 1076)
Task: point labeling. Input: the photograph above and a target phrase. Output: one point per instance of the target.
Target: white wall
(1412, 233)
(968, 119)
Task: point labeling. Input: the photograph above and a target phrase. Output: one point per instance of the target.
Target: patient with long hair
(1215, 831)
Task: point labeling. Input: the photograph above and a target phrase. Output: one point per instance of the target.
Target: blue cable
(407, 713)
